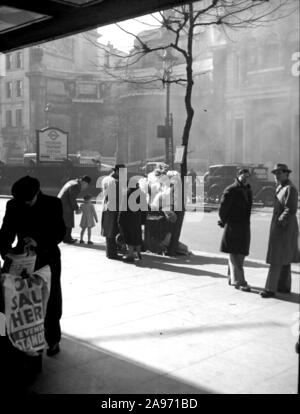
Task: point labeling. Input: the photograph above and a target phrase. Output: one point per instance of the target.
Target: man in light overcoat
(283, 239)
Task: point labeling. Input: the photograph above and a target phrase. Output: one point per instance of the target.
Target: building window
(271, 52)
(19, 88)
(8, 59)
(19, 60)
(8, 89)
(19, 117)
(8, 117)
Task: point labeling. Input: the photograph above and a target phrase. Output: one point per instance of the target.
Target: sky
(119, 38)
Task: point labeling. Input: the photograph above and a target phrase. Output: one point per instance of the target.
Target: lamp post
(47, 108)
(168, 61)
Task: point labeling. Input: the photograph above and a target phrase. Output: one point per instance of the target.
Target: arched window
(271, 52)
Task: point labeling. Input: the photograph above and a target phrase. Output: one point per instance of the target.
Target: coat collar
(282, 185)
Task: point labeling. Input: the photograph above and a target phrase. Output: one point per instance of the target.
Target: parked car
(218, 177)
(52, 176)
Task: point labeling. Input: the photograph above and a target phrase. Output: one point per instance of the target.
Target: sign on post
(179, 154)
(52, 145)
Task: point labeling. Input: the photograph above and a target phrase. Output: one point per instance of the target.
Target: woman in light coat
(68, 195)
(283, 240)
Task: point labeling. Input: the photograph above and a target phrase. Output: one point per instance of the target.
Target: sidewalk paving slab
(170, 326)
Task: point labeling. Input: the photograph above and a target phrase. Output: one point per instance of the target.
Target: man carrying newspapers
(37, 221)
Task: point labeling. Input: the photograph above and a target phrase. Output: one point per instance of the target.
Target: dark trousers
(68, 235)
(111, 247)
(54, 306)
(279, 278)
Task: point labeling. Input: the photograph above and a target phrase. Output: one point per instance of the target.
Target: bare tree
(180, 26)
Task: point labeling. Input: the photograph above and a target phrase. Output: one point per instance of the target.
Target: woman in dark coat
(131, 218)
(234, 212)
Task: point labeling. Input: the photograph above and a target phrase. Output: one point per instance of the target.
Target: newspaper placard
(25, 302)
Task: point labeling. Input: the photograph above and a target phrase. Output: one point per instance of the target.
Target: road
(200, 230)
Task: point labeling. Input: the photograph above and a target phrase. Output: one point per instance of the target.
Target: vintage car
(218, 177)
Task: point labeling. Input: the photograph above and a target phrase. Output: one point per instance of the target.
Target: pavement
(170, 325)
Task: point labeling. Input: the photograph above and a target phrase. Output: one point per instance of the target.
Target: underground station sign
(52, 145)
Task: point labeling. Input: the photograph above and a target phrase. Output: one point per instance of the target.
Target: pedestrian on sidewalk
(37, 221)
(68, 195)
(283, 239)
(132, 216)
(110, 212)
(234, 213)
(88, 219)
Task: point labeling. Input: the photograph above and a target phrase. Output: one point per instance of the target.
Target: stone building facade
(58, 84)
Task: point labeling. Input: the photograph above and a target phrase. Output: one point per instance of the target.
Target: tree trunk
(186, 131)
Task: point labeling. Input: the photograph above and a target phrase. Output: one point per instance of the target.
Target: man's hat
(86, 178)
(243, 171)
(281, 167)
(25, 188)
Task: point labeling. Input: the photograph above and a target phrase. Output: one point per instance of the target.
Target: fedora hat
(281, 167)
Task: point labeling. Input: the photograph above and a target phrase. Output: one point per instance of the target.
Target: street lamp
(168, 61)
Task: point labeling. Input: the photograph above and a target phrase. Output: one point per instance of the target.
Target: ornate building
(260, 94)
(58, 84)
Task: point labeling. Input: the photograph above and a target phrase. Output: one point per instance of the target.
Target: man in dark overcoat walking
(283, 240)
(37, 221)
(234, 213)
(68, 195)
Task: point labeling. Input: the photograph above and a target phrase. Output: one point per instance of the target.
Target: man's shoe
(243, 288)
(53, 349)
(81, 241)
(128, 259)
(70, 241)
(90, 242)
(113, 257)
(267, 294)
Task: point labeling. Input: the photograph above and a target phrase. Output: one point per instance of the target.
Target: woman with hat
(283, 239)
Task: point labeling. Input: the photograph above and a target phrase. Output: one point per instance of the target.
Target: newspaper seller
(37, 221)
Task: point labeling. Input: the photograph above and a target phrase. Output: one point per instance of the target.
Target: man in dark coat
(68, 195)
(37, 221)
(234, 212)
(283, 240)
(110, 212)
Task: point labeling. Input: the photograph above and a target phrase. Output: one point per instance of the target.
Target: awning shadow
(81, 368)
